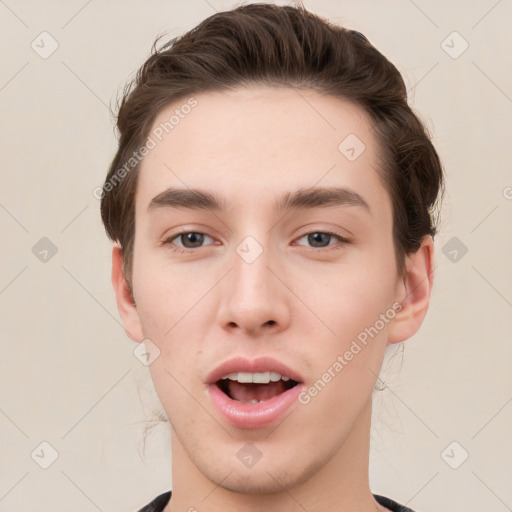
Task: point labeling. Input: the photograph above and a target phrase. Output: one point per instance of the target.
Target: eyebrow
(303, 198)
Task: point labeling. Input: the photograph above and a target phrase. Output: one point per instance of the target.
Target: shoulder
(158, 504)
(391, 504)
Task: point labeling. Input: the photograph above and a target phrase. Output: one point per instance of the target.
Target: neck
(339, 485)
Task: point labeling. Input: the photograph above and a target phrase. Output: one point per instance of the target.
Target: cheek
(347, 349)
(348, 299)
(348, 336)
(175, 311)
(163, 295)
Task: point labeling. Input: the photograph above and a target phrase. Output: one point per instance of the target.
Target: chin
(252, 481)
(265, 477)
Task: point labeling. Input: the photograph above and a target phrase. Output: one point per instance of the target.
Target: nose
(254, 298)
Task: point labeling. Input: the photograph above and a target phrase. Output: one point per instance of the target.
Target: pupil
(195, 238)
(313, 238)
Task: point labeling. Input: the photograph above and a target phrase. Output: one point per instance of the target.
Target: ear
(125, 303)
(414, 292)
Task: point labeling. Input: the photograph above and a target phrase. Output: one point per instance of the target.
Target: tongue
(251, 391)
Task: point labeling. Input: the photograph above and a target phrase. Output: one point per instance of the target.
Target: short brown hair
(291, 47)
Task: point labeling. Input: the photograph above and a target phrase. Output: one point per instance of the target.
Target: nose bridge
(251, 272)
(251, 277)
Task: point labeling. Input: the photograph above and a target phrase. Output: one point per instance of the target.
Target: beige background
(68, 374)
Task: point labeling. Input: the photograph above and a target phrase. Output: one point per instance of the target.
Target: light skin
(302, 301)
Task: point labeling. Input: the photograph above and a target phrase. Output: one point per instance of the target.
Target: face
(286, 268)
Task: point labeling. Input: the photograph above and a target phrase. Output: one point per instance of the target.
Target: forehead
(258, 142)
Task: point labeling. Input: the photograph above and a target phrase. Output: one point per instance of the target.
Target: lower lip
(262, 414)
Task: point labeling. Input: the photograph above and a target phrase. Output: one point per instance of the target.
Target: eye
(187, 240)
(190, 240)
(321, 239)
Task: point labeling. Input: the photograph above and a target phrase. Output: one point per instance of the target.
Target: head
(284, 146)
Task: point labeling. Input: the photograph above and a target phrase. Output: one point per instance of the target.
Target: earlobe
(414, 293)
(124, 298)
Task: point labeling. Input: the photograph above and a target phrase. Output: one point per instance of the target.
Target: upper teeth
(258, 378)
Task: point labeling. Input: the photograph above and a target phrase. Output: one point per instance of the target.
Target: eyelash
(174, 248)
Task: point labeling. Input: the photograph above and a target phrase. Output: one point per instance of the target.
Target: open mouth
(254, 387)
(252, 394)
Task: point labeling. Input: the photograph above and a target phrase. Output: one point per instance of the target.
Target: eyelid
(171, 234)
(329, 231)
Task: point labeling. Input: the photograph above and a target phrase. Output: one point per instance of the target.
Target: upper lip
(261, 364)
